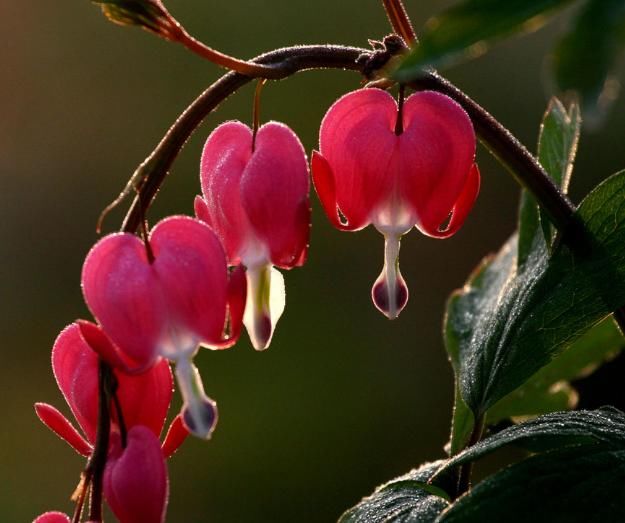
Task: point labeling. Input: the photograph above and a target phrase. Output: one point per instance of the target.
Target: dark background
(344, 399)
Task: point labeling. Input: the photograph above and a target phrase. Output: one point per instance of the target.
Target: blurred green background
(344, 399)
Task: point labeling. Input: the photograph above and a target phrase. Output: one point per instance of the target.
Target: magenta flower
(256, 200)
(396, 169)
(168, 306)
(144, 401)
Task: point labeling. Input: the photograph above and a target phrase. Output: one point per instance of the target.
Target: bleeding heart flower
(135, 478)
(168, 306)
(144, 399)
(396, 169)
(256, 200)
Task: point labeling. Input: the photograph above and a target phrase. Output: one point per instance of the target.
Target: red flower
(256, 200)
(165, 307)
(144, 398)
(144, 401)
(372, 169)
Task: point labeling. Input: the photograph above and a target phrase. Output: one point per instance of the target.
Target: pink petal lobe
(226, 153)
(145, 398)
(119, 286)
(59, 424)
(460, 210)
(75, 368)
(201, 210)
(52, 517)
(237, 295)
(192, 274)
(135, 479)
(437, 152)
(357, 140)
(323, 179)
(99, 342)
(176, 435)
(274, 193)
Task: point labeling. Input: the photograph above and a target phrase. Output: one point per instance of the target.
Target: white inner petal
(266, 299)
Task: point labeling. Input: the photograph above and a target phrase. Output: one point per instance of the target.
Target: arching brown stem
(151, 173)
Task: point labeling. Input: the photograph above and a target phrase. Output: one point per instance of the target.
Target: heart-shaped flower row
(163, 297)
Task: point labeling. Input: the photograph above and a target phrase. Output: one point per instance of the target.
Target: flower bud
(135, 478)
(150, 15)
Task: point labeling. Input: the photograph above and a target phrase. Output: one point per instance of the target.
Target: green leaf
(548, 390)
(458, 329)
(602, 427)
(586, 56)
(407, 499)
(564, 486)
(529, 227)
(465, 30)
(510, 323)
(557, 147)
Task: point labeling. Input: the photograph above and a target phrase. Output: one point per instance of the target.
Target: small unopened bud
(150, 15)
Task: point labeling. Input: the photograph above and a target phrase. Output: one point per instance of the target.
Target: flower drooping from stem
(168, 306)
(396, 167)
(255, 197)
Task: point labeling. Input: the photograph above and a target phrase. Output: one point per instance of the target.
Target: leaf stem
(400, 22)
(466, 469)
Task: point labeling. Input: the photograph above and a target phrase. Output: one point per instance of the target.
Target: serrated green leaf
(585, 58)
(574, 485)
(602, 427)
(407, 499)
(557, 147)
(465, 30)
(548, 390)
(511, 323)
